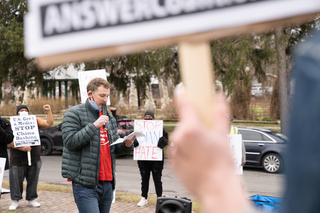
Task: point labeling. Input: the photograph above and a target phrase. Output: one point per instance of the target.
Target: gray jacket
(81, 140)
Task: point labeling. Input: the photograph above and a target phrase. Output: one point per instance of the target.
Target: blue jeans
(16, 177)
(303, 158)
(95, 200)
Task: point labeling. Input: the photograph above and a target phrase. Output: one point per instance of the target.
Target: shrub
(36, 106)
(8, 110)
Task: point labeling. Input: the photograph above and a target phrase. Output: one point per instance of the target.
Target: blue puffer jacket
(81, 140)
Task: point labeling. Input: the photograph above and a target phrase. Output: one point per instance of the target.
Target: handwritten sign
(235, 142)
(148, 149)
(25, 130)
(85, 77)
(2, 168)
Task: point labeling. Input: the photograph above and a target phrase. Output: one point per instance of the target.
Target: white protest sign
(2, 168)
(235, 142)
(54, 27)
(148, 149)
(25, 130)
(85, 77)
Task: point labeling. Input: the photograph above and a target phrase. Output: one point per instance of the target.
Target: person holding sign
(19, 168)
(155, 167)
(88, 158)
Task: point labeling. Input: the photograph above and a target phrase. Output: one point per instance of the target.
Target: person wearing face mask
(88, 158)
(155, 167)
(19, 168)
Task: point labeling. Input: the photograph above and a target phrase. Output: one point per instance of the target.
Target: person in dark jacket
(19, 168)
(155, 167)
(6, 137)
(88, 158)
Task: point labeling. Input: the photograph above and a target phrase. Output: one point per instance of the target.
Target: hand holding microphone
(103, 120)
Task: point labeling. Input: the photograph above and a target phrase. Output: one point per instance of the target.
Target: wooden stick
(29, 158)
(197, 76)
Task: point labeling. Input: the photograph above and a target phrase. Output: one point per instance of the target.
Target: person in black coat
(6, 137)
(155, 167)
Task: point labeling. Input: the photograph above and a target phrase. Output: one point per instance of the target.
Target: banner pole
(197, 76)
(29, 158)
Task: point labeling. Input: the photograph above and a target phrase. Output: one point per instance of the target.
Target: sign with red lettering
(148, 149)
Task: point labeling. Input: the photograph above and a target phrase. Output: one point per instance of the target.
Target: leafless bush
(8, 110)
(170, 111)
(36, 106)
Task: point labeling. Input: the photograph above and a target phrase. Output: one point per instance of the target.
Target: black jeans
(145, 168)
(16, 177)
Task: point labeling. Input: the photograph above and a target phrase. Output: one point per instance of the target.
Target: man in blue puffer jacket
(88, 158)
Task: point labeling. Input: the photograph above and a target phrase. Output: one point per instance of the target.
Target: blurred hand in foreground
(202, 159)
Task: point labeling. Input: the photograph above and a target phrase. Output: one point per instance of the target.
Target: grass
(120, 196)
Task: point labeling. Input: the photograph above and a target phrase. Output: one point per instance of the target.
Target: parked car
(264, 148)
(51, 138)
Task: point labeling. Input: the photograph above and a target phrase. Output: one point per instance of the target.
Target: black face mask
(148, 119)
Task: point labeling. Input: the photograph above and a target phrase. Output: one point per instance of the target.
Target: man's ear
(89, 94)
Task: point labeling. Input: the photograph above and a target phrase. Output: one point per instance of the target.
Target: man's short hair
(97, 82)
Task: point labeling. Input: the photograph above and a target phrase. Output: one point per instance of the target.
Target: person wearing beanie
(154, 167)
(19, 168)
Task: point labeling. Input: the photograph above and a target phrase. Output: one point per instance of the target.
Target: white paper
(120, 140)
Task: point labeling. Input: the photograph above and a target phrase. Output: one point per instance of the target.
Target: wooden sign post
(197, 77)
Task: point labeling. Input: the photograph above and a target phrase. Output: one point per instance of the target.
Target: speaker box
(173, 205)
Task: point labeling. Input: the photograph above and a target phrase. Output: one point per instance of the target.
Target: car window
(251, 135)
(265, 138)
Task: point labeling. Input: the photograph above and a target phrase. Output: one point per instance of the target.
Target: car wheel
(46, 147)
(272, 163)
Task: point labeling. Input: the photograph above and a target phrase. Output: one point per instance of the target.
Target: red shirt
(105, 171)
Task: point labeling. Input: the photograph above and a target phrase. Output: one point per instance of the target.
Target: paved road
(256, 181)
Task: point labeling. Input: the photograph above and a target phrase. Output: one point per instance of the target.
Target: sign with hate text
(148, 149)
(235, 142)
(53, 27)
(25, 130)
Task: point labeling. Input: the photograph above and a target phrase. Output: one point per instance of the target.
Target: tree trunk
(138, 94)
(283, 85)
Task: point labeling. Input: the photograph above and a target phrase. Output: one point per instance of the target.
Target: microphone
(104, 112)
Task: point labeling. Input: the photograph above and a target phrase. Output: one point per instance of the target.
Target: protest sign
(235, 142)
(60, 31)
(85, 77)
(2, 168)
(148, 149)
(25, 130)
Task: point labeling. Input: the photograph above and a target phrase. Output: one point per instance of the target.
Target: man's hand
(129, 141)
(102, 120)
